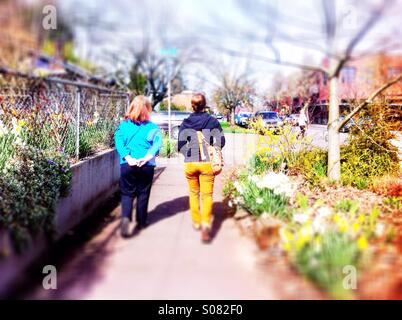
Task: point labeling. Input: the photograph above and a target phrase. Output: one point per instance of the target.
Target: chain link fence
(78, 119)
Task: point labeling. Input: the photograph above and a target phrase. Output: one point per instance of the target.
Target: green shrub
(263, 162)
(347, 206)
(311, 164)
(29, 190)
(225, 124)
(7, 143)
(173, 107)
(367, 156)
(169, 147)
(393, 203)
(93, 137)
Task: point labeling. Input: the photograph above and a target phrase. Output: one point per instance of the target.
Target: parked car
(347, 126)
(242, 118)
(161, 119)
(292, 119)
(218, 116)
(270, 118)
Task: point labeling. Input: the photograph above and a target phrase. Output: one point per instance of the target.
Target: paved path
(167, 260)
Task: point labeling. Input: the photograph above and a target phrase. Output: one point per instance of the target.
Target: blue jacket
(137, 140)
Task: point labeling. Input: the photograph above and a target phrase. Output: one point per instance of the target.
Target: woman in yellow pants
(197, 168)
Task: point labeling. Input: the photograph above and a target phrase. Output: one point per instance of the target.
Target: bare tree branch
(369, 100)
(269, 60)
(374, 17)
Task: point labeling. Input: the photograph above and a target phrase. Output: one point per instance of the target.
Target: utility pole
(169, 52)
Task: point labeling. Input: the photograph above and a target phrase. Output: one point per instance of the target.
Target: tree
(137, 80)
(234, 92)
(332, 39)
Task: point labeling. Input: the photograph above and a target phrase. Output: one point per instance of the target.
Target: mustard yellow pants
(200, 178)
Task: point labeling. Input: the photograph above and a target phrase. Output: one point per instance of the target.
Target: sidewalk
(167, 260)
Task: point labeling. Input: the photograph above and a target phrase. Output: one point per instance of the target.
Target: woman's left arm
(156, 145)
(120, 141)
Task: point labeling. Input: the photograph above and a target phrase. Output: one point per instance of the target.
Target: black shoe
(124, 227)
(143, 225)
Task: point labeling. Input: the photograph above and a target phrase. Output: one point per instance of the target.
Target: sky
(288, 30)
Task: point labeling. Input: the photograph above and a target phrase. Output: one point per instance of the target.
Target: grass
(233, 129)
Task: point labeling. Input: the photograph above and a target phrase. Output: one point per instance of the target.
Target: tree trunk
(232, 116)
(334, 153)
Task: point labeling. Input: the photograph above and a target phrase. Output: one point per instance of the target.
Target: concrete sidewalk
(166, 260)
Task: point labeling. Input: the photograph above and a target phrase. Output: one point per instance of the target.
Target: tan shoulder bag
(214, 153)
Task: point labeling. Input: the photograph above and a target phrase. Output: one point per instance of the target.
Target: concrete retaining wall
(94, 180)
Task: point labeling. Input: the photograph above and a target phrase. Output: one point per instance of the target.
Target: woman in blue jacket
(138, 141)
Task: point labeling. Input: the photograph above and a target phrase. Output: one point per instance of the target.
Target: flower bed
(323, 233)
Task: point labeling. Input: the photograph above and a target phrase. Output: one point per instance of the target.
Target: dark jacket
(188, 141)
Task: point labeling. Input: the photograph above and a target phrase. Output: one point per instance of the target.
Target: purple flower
(51, 162)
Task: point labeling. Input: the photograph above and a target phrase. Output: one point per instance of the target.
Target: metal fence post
(77, 132)
(128, 103)
(96, 101)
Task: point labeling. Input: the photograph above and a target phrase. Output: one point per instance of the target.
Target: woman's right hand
(131, 161)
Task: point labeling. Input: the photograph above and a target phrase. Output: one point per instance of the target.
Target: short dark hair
(198, 102)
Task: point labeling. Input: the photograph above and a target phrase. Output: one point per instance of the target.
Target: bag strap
(201, 139)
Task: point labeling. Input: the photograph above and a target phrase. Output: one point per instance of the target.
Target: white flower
(19, 142)
(271, 180)
(3, 129)
(300, 218)
(238, 187)
(254, 179)
(230, 203)
(320, 226)
(259, 200)
(279, 183)
(16, 127)
(96, 117)
(379, 229)
(324, 212)
(236, 200)
(265, 215)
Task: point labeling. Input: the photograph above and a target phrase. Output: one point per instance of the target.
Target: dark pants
(303, 131)
(135, 182)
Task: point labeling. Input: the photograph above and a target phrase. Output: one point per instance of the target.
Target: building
(359, 78)
(357, 81)
(181, 100)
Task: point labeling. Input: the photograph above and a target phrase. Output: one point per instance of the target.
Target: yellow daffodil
(355, 227)
(361, 218)
(287, 235)
(318, 240)
(300, 242)
(337, 217)
(343, 225)
(362, 243)
(287, 246)
(17, 130)
(21, 123)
